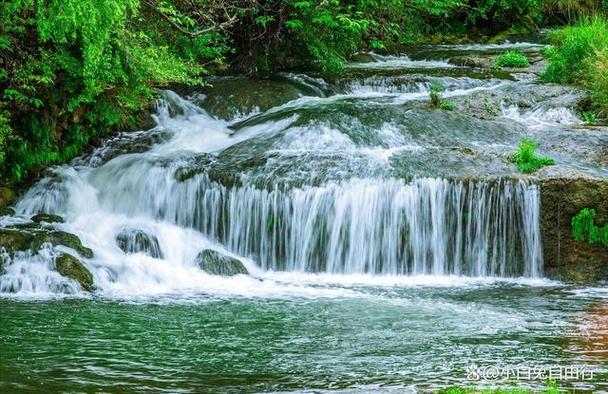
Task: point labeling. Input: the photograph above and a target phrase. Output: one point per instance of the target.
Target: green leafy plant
(437, 100)
(585, 229)
(590, 117)
(435, 95)
(526, 158)
(512, 59)
(447, 106)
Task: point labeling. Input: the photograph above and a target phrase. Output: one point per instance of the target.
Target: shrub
(585, 229)
(512, 59)
(526, 158)
(573, 45)
(597, 81)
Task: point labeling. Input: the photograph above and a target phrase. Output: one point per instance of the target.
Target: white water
(368, 229)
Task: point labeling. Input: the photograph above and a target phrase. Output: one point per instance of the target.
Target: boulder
(60, 238)
(7, 196)
(13, 240)
(138, 241)
(46, 217)
(363, 58)
(216, 263)
(70, 267)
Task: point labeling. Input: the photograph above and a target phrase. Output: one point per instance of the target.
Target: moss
(70, 267)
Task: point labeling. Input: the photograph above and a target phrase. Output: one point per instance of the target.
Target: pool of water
(307, 333)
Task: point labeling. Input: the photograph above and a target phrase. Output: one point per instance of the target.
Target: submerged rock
(47, 217)
(70, 267)
(138, 241)
(215, 263)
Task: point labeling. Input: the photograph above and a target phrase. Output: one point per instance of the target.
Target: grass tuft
(512, 59)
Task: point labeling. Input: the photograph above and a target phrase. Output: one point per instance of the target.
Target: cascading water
(372, 225)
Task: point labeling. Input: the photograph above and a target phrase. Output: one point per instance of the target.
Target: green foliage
(437, 100)
(580, 55)
(512, 59)
(550, 388)
(596, 80)
(526, 158)
(590, 117)
(447, 106)
(72, 71)
(585, 229)
(435, 95)
(572, 46)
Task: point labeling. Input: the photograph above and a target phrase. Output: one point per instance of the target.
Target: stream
(388, 246)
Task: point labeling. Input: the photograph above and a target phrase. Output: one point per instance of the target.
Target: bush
(596, 81)
(580, 55)
(585, 229)
(574, 49)
(526, 158)
(512, 59)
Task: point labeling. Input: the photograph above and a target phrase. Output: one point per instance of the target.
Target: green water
(354, 337)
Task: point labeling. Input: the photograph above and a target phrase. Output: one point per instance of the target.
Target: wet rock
(14, 240)
(487, 104)
(138, 241)
(215, 263)
(362, 58)
(230, 97)
(46, 217)
(472, 61)
(561, 199)
(60, 238)
(70, 267)
(7, 196)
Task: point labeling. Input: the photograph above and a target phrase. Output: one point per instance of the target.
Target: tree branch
(221, 26)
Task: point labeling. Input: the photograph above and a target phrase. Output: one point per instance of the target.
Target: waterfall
(426, 226)
(354, 222)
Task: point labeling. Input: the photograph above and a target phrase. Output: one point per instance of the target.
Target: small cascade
(427, 226)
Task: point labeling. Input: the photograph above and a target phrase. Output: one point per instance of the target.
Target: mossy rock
(70, 267)
(7, 196)
(475, 61)
(138, 241)
(15, 240)
(48, 218)
(362, 58)
(61, 238)
(216, 263)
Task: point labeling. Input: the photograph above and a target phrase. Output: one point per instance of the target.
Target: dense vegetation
(580, 55)
(73, 71)
(512, 59)
(584, 228)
